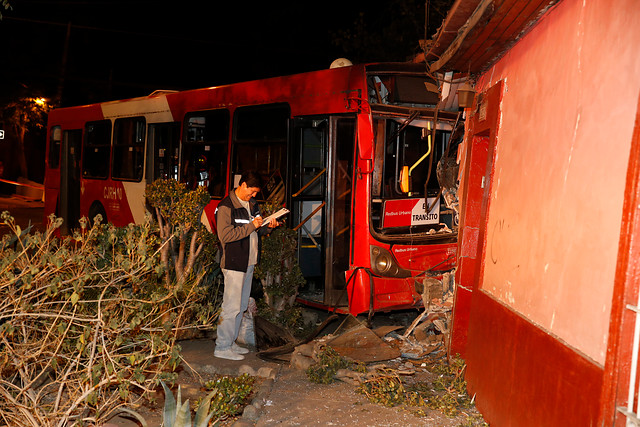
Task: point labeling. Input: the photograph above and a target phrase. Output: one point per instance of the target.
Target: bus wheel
(95, 209)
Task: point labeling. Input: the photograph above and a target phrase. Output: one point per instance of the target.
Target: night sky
(126, 48)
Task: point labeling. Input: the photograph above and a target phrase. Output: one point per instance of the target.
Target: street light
(466, 93)
(40, 101)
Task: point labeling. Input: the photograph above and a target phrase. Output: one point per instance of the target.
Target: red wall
(523, 376)
(540, 240)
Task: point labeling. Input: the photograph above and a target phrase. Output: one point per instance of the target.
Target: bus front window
(407, 192)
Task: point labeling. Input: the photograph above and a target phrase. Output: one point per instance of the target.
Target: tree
(5, 6)
(390, 31)
(178, 212)
(279, 272)
(23, 115)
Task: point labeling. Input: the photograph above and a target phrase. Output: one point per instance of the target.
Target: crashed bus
(363, 156)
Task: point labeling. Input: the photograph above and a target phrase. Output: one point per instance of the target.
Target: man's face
(246, 193)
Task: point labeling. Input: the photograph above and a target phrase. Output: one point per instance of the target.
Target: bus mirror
(404, 179)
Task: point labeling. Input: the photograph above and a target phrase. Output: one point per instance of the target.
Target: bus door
(70, 179)
(322, 171)
(163, 151)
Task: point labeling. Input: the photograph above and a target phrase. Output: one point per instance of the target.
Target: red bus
(351, 151)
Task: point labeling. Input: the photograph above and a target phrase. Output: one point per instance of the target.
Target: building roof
(476, 33)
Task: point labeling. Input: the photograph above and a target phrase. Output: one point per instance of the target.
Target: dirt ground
(284, 396)
(294, 401)
(290, 399)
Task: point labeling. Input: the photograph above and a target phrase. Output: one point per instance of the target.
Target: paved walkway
(25, 211)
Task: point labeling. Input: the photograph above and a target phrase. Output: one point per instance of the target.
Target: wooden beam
(484, 8)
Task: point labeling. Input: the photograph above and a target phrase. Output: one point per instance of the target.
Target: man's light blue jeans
(237, 289)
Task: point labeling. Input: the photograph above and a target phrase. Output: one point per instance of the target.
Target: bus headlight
(383, 263)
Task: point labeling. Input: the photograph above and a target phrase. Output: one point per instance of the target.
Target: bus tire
(95, 209)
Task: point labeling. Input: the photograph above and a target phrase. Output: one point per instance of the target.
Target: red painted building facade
(548, 248)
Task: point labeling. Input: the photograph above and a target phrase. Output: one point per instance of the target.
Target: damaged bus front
(410, 174)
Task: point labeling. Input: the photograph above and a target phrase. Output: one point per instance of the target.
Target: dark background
(77, 52)
(126, 48)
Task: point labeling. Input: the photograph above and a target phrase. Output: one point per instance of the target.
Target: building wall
(567, 114)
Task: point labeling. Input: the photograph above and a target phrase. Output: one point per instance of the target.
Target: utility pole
(63, 66)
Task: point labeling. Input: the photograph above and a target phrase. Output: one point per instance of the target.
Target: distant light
(40, 101)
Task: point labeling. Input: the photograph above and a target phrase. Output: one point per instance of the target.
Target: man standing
(239, 226)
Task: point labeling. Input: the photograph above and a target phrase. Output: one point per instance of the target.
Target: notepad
(275, 215)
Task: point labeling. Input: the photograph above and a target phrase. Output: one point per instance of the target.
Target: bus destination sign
(408, 212)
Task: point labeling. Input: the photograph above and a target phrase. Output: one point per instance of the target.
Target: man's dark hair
(252, 179)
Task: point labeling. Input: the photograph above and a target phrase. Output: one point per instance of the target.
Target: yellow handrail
(426, 154)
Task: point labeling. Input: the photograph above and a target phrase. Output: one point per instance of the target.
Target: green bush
(280, 274)
(327, 365)
(187, 249)
(184, 238)
(87, 322)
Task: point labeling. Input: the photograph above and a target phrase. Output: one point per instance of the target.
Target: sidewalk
(284, 396)
(12, 201)
(24, 210)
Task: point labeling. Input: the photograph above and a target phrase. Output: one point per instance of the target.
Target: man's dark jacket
(234, 226)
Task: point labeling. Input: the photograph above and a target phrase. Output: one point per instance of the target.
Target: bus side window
(128, 149)
(260, 141)
(54, 147)
(204, 152)
(96, 149)
(163, 151)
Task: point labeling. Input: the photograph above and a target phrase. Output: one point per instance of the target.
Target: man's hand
(273, 223)
(257, 221)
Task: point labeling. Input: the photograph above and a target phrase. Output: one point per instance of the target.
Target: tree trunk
(22, 158)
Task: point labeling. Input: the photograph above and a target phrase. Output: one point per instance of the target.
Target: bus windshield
(411, 159)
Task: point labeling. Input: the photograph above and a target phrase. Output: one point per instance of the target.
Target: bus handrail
(304, 221)
(310, 182)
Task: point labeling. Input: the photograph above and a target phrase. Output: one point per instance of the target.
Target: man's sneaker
(228, 354)
(240, 350)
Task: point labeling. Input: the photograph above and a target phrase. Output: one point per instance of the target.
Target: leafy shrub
(327, 365)
(187, 249)
(87, 323)
(279, 273)
(228, 395)
(178, 211)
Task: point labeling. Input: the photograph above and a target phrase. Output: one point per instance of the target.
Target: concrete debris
(384, 330)
(301, 361)
(447, 175)
(306, 349)
(362, 344)
(426, 338)
(412, 349)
